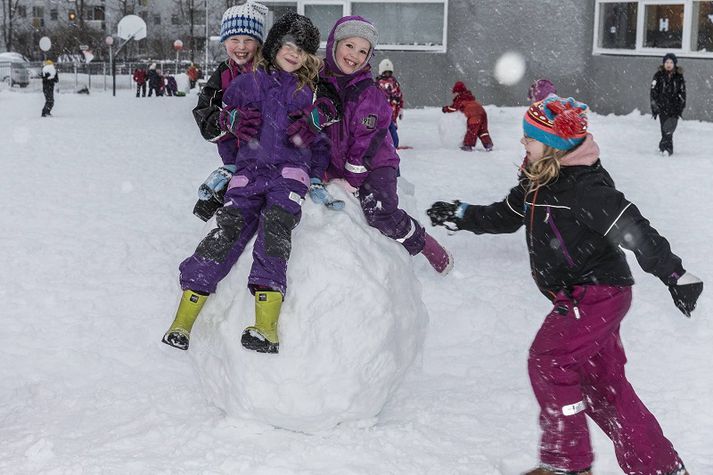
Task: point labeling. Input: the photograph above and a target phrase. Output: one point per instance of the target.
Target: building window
(702, 31)
(38, 12)
(21, 11)
(54, 14)
(95, 13)
(663, 26)
(157, 19)
(618, 25)
(276, 9)
(323, 16)
(403, 24)
(650, 27)
(175, 20)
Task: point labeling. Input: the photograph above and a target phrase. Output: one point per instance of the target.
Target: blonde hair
(545, 170)
(307, 74)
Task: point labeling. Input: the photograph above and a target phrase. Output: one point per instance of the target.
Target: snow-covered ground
(96, 215)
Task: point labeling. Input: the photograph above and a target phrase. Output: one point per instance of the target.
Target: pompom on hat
(540, 89)
(246, 19)
(459, 87)
(292, 27)
(385, 65)
(556, 122)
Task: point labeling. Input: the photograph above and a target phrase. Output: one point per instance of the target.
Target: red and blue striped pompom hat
(557, 122)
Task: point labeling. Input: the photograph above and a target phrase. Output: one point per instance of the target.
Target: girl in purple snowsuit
(363, 152)
(575, 223)
(266, 192)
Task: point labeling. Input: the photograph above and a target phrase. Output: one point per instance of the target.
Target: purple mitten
(243, 123)
(310, 121)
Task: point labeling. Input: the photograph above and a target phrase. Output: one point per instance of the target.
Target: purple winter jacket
(274, 95)
(360, 142)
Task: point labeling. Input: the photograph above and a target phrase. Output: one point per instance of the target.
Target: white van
(14, 69)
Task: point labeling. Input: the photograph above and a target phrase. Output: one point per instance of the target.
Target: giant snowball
(509, 68)
(451, 129)
(351, 325)
(49, 70)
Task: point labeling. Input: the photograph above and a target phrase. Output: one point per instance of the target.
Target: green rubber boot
(262, 337)
(179, 333)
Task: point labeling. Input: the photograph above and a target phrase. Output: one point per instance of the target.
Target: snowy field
(96, 215)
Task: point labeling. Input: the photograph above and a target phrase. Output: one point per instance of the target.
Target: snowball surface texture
(352, 323)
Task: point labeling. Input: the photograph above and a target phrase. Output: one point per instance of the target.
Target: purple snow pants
(269, 203)
(380, 204)
(576, 367)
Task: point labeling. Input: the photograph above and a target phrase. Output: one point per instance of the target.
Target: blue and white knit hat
(246, 19)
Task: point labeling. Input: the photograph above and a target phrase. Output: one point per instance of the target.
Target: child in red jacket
(464, 101)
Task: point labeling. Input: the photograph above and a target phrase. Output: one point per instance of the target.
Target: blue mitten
(319, 194)
(216, 181)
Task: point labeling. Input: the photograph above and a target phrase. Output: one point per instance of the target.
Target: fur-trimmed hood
(676, 70)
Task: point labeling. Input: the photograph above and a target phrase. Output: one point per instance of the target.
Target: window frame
(639, 48)
(347, 10)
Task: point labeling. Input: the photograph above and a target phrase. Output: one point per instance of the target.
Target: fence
(94, 76)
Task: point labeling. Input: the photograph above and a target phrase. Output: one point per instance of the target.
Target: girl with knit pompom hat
(576, 223)
(363, 155)
(242, 31)
(270, 178)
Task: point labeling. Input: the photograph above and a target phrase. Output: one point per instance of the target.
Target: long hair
(545, 170)
(307, 74)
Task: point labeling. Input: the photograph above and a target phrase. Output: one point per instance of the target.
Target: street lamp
(178, 45)
(109, 40)
(205, 68)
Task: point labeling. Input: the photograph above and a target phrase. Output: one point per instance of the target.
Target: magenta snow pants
(576, 368)
(380, 203)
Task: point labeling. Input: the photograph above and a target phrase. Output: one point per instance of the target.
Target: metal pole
(205, 65)
(113, 71)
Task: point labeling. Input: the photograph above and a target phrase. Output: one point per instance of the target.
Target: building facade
(604, 52)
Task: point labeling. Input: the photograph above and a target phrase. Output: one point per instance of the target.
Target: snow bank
(352, 323)
(451, 129)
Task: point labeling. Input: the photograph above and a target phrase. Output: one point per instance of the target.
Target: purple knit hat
(540, 89)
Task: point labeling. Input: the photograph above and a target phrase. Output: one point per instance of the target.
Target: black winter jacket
(668, 92)
(48, 82)
(574, 227)
(210, 100)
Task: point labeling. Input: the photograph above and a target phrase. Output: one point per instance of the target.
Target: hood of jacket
(586, 154)
(330, 61)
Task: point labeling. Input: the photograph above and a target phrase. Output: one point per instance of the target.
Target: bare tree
(9, 11)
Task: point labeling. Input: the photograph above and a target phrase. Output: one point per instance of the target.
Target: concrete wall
(555, 37)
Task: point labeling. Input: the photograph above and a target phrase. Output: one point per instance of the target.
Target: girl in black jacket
(668, 99)
(575, 223)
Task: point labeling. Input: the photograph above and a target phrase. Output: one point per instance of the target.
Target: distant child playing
(477, 119)
(392, 90)
(266, 192)
(575, 223)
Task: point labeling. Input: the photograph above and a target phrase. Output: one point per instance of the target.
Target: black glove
(442, 213)
(685, 292)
